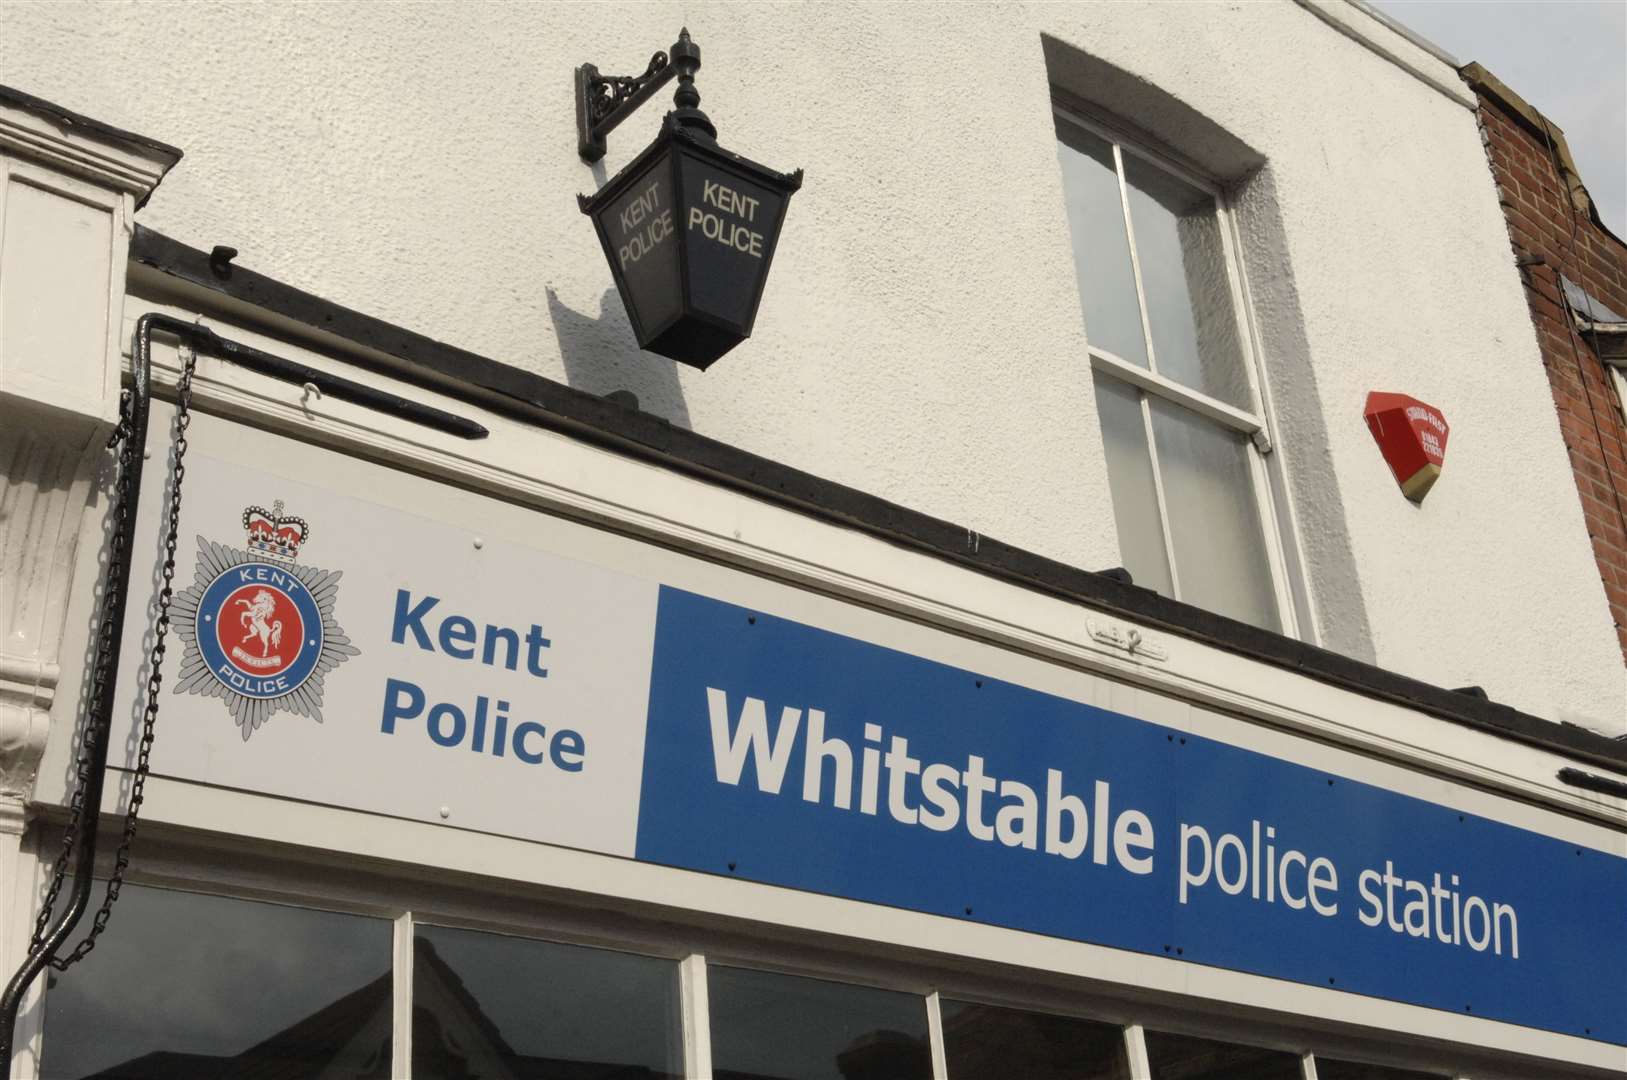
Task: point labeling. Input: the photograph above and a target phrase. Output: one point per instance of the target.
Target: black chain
(101, 676)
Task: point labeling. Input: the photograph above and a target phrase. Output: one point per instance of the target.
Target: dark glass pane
(1328, 1069)
(779, 1027)
(982, 1042)
(488, 1005)
(1182, 1057)
(186, 986)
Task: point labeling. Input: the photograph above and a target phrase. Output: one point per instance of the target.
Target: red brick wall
(1543, 222)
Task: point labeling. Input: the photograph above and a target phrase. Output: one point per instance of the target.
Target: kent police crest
(259, 630)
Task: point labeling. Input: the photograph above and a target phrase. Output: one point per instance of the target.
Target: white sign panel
(336, 650)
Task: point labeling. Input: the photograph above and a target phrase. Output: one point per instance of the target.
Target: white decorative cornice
(60, 140)
(47, 475)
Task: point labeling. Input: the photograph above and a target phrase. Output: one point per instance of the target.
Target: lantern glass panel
(641, 239)
(729, 225)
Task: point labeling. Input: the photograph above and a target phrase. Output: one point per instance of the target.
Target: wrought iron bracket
(603, 101)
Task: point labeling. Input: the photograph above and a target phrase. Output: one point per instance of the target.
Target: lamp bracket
(603, 101)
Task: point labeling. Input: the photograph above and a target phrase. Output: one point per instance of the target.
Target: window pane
(982, 1042)
(1328, 1069)
(779, 1027)
(488, 1005)
(1214, 523)
(1129, 477)
(1181, 1057)
(1183, 270)
(1101, 247)
(185, 985)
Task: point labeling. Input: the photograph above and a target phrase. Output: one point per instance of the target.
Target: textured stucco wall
(921, 336)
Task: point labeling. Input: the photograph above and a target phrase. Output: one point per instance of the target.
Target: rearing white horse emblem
(261, 594)
(257, 617)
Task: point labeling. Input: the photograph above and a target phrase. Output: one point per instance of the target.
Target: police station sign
(689, 230)
(392, 660)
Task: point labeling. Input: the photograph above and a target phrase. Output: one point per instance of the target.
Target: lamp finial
(686, 57)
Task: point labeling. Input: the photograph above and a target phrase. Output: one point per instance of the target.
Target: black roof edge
(543, 402)
(67, 118)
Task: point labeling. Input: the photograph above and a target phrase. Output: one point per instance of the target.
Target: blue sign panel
(788, 755)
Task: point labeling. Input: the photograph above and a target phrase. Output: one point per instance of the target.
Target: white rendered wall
(921, 336)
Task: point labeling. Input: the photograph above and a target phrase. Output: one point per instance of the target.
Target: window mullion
(1307, 1067)
(1158, 492)
(1135, 259)
(1276, 558)
(697, 1017)
(1135, 1048)
(401, 998)
(934, 1028)
(1229, 416)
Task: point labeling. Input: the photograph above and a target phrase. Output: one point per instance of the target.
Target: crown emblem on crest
(259, 628)
(273, 532)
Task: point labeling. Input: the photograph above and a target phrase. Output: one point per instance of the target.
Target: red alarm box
(1412, 438)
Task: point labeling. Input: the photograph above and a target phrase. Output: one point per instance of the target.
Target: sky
(1568, 58)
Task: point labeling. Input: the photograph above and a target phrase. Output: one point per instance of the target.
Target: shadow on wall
(1091, 85)
(602, 357)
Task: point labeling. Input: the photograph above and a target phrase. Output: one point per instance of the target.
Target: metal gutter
(1358, 29)
(544, 403)
(1410, 34)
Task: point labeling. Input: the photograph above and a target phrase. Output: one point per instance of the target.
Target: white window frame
(1254, 423)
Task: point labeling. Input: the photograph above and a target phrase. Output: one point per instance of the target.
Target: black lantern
(688, 227)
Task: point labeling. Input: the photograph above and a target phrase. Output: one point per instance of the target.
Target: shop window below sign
(191, 987)
(781, 1027)
(499, 1006)
(984, 1042)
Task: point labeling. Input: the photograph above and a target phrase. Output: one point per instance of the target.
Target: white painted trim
(1135, 256)
(1162, 501)
(401, 996)
(934, 1030)
(1135, 1048)
(697, 1017)
(22, 880)
(1362, 26)
(82, 152)
(1307, 1067)
(1265, 508)
(98, 402)
(1227, 416)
